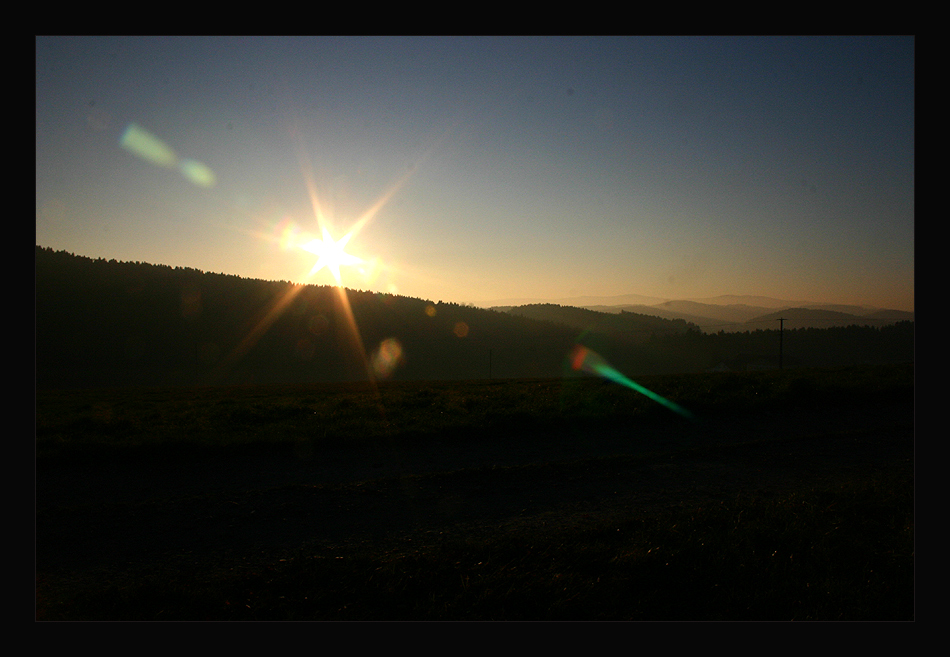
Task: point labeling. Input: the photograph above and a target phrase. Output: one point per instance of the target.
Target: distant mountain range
(730, 312)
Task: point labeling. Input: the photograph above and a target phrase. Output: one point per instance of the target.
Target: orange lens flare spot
(577, 358)
(387, 358)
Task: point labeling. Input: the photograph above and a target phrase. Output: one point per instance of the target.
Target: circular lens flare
(387, 358)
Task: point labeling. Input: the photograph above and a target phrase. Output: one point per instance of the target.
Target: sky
(478, 169)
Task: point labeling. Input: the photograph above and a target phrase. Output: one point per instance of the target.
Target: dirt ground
(121, 517)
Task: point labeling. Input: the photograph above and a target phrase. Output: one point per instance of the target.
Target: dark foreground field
(790, 497)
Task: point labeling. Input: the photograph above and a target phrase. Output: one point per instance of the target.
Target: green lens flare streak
(583, 359)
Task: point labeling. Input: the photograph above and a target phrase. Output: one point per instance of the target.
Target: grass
(821, 554)
(103, 424)
(844, 552)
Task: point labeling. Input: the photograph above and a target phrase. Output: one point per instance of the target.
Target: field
(790, 496)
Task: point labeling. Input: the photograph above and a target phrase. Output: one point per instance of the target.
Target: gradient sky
(484, 168)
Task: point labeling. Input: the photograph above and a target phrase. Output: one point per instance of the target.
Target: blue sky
(484, 168)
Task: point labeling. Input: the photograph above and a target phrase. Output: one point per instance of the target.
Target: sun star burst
(331, 254)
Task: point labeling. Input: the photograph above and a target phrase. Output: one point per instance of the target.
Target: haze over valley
(729, 312)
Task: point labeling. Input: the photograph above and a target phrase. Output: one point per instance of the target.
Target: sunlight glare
(331, 254)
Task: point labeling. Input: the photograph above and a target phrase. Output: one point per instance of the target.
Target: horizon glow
(491, 168)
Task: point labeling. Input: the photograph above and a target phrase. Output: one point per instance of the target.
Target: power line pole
(781, 331)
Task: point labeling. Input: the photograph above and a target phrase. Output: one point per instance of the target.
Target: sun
(331, 254)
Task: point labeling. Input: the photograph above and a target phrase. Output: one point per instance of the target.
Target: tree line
(110, 323)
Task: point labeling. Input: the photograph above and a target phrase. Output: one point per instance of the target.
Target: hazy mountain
(579, 301)
(500, 304)
(859, 311)
(727, 312)
(632, 325)
(751, 300)
(891, 315)
(662, 312)
(617, 300)
(731, 313)
(715, 317)
(796, 318)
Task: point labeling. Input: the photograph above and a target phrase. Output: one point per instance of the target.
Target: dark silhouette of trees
(109, 323)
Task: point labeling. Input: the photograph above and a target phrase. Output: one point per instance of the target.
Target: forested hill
(105, 323)
(108, 323)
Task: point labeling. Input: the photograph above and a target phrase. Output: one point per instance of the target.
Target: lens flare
(583, 359)
(143, 144)
(387, 358)
(287, 232)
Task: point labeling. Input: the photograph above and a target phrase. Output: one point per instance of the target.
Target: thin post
(781, 332)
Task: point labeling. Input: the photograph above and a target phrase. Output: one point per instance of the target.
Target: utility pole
(781, 331)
